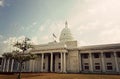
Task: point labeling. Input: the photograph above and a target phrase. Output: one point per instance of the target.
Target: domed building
(66, 57)
(66, 34)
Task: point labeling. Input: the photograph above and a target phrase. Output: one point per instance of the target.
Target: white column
(30, 67)
(64, 62)
(116, 62)
(36, 65)
(80, 64)
(91, 63)
(33, 64)
(51, 64)
(103, 63)
(61, 62)
(4, 64)
(42, 60)
(8, 60)
(12, 65)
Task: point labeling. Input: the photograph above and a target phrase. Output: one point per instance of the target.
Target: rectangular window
(108, 55)
(86, 67)
(97, 67)
(96, 55)
(59, 65)
(0, 61)
(109, 68)
(59, 55)
(44, 56)
(118, 54)
(85, 56)
(43, 65)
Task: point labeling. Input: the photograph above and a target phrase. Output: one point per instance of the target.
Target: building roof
(99, 47)
(51, 45)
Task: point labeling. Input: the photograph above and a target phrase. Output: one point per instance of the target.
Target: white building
(65, 56)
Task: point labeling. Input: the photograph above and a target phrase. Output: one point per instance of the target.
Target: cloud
(8, 43)
(41, 28)
(110, 34)
(1, 36)
(95, 21)
(10, 40)
(34, 23)
(1, 3)
(34, 40)
(91, 22)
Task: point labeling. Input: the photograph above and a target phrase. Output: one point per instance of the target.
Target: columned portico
(53, 62)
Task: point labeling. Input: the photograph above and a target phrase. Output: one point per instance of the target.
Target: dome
(66, 34)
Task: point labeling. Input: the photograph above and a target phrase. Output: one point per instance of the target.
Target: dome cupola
(66, 34)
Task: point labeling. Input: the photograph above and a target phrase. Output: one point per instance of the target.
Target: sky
(92, 22)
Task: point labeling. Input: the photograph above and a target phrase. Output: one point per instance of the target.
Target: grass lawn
(60, 76)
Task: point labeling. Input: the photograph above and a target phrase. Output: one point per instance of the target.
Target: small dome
(66, 34)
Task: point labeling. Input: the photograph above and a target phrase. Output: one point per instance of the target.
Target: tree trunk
(20, 69)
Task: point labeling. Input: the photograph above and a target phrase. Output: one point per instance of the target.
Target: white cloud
(9, 44)
(90, 21)
(1, 3)
(82, 43)
(46, 30)
(1, 36)
(34, 23)
(35, 40)
(41, 28)
(12, 40)
(110, 34)
(95, 21)
(45, 38)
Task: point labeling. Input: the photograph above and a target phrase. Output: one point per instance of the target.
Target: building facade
(66, 57)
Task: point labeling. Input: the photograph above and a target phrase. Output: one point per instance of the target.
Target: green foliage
(24, 45)
(8, 55)
(21, 56)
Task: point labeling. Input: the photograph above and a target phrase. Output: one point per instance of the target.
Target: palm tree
(21, 55)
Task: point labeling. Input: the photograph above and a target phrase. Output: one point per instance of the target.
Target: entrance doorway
(49, 62)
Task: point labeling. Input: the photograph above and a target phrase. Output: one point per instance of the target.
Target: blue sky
(16, 15)
(91, 21)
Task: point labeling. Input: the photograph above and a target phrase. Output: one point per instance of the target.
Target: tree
(22, 54)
